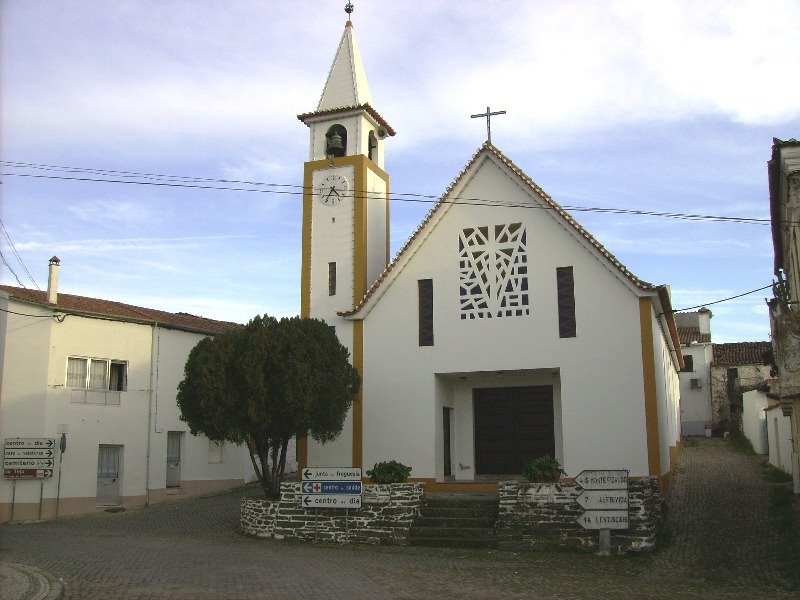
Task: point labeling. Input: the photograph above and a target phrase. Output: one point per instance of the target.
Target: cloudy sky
(659, 107)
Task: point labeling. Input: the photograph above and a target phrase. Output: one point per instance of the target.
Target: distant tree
(265, 383)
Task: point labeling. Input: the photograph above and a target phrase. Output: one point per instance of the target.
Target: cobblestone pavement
(722, 547)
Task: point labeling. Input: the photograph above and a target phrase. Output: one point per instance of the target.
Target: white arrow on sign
(597, 479)
(603, 499)
(604, 519)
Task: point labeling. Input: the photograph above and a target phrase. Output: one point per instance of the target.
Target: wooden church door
(512, 426)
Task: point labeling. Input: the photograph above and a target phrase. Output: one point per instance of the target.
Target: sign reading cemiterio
(28, 458)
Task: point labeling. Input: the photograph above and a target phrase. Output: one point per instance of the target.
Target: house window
(425, 287)
(688, 363)
(565, 284)
(331, 279)
(96, 380)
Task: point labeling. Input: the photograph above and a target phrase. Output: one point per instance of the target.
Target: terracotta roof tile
(68, 303)
(742, 353)
(688, 335)
(347, 109)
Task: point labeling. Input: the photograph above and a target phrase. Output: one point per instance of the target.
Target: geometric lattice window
(425, 288)
(493, 271)
(566, 302)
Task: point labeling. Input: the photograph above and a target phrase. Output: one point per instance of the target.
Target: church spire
(347, 81)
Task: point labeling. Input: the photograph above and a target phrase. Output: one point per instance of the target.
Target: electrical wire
(59, 318)
(723, 300)
(19, 258)
(181, 182)
(8, 266)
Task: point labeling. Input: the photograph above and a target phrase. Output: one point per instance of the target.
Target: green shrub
(389, 472)
(544, 468)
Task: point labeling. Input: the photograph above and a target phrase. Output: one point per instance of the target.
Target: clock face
(332, 189)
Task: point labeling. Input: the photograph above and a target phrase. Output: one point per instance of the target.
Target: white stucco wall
(599, 372)
(35, 402)
(779, 439)
(754, 420)
(667, 394)
(696, 402)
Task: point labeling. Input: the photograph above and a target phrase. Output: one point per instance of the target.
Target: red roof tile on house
(689, 335)
(741, 353)
(118, 311)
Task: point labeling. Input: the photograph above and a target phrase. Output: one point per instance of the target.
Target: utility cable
(400, 197)
(723, 300)
(8, 266)
(19, 258)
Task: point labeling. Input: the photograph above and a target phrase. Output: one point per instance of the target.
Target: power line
(8, 266)
(177, 181)
(19, 258)
(723, 300)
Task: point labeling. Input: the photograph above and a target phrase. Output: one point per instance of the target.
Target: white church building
(502, 330)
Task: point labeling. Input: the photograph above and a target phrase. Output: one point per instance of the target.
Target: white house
(502, 330)
(694, 332)
(102, 376)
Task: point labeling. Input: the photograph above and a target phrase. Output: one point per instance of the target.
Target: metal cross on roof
(488, 114)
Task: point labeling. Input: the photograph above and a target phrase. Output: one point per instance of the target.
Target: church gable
(494, 254)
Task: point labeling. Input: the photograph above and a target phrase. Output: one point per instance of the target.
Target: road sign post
(605, 500)
(29, 458)
(331, 487)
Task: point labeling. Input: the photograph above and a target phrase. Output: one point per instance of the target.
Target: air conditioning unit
(695, 384)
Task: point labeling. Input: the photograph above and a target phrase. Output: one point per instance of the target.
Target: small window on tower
(372, 145)
(332, 279)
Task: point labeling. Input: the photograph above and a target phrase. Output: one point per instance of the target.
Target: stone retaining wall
(385, 516)
(538, 515)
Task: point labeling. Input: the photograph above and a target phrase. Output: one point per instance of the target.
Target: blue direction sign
(331, 487)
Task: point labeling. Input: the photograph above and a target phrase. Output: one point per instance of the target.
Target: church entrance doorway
(512, 426)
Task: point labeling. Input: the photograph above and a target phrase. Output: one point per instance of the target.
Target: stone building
(736, 368)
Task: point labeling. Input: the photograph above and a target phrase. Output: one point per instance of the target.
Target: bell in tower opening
(336, 141)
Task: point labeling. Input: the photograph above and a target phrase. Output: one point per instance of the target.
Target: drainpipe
(52, 280)
(153, 384)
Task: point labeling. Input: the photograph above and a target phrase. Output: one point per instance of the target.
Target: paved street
(722, 546)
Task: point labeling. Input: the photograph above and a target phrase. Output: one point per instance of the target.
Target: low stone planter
(385, 516)
(541, 515)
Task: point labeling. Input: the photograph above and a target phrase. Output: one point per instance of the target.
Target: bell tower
(345, 220)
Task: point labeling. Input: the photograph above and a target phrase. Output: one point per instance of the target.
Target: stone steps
(456, 521)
